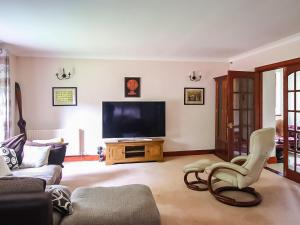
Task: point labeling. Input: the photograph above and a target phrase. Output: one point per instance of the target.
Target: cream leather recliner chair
(240, 177)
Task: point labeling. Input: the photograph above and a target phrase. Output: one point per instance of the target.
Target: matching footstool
(126, 205)
(196, 168)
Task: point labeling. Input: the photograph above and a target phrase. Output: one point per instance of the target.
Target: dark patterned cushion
(60, 197)
(10, 157)
(16, 143)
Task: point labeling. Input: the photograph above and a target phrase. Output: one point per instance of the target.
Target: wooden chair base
(217, 193)
(196, 184)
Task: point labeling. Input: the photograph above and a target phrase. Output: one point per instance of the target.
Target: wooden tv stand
(126, 151)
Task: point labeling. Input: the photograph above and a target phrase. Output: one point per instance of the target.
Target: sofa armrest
(26, 208)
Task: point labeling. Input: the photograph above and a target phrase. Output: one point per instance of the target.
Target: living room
(92, 48)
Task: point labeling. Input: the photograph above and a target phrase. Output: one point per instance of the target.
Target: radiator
(71, 136)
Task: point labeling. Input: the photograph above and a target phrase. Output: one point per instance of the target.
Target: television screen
(133, 119)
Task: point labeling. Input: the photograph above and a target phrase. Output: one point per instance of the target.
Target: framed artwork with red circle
(132, 87)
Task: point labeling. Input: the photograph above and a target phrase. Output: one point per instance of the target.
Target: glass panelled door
(292, 122)
(241, 111)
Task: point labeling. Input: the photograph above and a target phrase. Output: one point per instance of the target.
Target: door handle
(230, 125)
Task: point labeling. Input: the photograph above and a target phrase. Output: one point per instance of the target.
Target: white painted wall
(268, 55)
(269, 99)
(187, 127)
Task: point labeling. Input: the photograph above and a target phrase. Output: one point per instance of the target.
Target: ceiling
(137, 29)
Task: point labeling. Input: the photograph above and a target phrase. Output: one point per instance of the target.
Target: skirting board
(81, 158)
(189, 152)
(273, 171)
(272, 160)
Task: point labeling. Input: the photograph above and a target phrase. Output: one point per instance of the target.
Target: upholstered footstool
(195, 168)
(124, 205)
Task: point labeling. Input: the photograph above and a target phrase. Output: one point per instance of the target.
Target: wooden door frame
(291, 174)
(260, 70)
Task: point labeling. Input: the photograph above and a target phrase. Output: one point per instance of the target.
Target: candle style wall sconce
(195, 76)
(63, 75)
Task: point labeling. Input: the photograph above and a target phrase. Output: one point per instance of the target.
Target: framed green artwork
(64, 96)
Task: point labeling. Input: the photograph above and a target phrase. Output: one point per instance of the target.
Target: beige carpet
(277, 167)
(181, 206)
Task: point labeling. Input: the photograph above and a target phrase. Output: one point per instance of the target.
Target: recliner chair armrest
(26, 208)
(239, 159)
(228, 165)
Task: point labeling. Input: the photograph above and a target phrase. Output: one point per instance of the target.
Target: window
(4, 95)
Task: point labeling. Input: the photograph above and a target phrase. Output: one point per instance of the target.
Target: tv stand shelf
(134, 151)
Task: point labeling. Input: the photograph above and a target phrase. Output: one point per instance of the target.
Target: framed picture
(194, 96)
(132, 87)
(64, 96)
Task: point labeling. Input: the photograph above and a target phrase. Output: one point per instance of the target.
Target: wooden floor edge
(189, 152)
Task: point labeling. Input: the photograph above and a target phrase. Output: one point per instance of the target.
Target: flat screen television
(133, 119)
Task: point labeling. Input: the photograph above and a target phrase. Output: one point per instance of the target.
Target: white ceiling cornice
(220, 60)
(272, 45)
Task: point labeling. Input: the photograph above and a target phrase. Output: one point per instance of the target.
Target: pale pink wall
(187, 127)
(280, 53)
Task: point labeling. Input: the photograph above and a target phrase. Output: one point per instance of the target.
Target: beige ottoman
(195, 168)
(123, 205)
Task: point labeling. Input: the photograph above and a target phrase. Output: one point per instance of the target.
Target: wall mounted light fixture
(195, 76)
(63, 75)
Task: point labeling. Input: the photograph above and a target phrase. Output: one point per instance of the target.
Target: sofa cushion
(4, 169)
(126, 205)
(9, 157)
(35, 156)
(9, 185)
(16, 143)
(57, 152)
(60, 197)
(50, 173)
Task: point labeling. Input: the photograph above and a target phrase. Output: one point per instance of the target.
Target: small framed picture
(194, 96)
(64, 96)
(132, 87)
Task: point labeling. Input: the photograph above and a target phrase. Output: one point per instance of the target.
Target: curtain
(5, 103)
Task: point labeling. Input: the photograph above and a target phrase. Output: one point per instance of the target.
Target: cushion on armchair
(35, 156)
(57, 152)
(60, 197)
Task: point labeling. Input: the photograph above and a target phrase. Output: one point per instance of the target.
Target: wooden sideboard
(134, 151)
